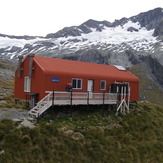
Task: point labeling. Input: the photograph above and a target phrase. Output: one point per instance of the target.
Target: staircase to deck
(41, 106)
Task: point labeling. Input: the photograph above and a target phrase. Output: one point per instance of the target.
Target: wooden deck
(54, 98)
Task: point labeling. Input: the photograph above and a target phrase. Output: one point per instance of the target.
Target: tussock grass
(135, 137)
(7, 65)
(11, 103)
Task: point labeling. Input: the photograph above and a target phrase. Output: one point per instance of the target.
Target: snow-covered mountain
(125, 42)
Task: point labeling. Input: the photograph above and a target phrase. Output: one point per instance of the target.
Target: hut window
(27, 84)
(102, 85)
(77, 83)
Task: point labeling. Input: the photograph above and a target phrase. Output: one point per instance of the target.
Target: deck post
(103, 98)
(71, 99)
(124, 99)
(27, 104)
(122, 96)
(53, 104)
(88, 98)
(53, 99)
(128, 102)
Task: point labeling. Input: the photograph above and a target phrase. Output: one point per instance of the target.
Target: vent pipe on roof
(30, 64)
(19, 66)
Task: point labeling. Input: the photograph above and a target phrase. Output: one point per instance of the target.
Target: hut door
(90, 86)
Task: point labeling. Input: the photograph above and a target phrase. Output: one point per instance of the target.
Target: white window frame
(27, 84)
(104, 85)
(77, 79)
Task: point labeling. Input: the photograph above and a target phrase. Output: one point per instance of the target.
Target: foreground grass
(96, 136)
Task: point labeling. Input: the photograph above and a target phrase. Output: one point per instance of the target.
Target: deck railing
(80, 98)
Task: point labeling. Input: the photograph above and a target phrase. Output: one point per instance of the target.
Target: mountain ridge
(155, 14)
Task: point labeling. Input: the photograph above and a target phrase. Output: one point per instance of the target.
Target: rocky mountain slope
(126, 42)
(149, 88)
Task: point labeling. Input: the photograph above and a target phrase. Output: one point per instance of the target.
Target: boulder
(27, 123)
(77, 136)
(2, 151)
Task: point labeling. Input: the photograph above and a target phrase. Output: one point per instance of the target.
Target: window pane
(79, 84)
(74, 83)
(103, 85)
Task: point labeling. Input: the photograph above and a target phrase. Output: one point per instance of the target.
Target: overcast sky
(40, 17)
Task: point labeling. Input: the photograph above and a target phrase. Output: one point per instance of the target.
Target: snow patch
(10, 42)
(117, 35)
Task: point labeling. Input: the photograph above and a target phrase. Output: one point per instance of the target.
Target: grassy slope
(7, 65)
(148, 89)
(135, 137)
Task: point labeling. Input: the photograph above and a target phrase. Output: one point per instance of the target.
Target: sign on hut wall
(55, 79)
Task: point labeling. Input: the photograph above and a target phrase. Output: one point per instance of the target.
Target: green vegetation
(148, 89)
(94, 136)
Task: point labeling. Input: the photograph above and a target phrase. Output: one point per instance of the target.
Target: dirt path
(12, 113)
